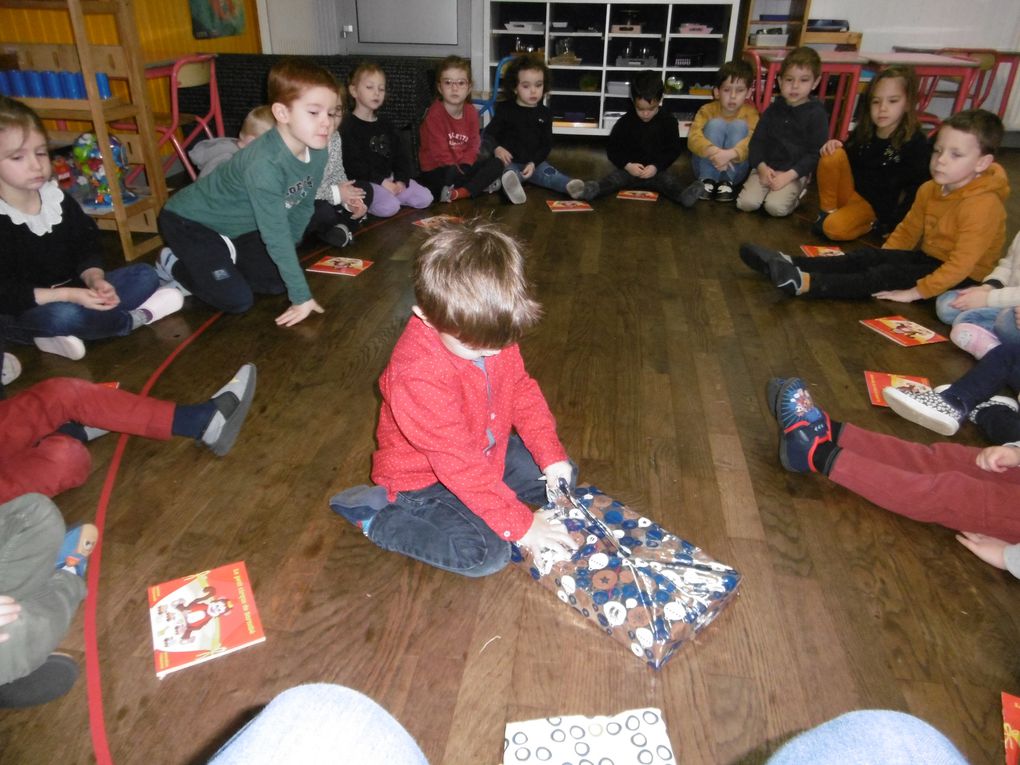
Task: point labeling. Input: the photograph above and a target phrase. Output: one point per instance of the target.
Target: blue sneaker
(79, 542)
(359, 504)
(802, 425)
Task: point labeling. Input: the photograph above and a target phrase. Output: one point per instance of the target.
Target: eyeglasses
(456, 83)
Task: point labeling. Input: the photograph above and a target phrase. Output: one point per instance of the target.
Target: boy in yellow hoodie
(952, 236)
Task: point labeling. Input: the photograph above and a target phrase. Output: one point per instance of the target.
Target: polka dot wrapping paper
(641, 585)
(634, 736)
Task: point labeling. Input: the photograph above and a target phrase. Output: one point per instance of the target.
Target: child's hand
(349, 193)
(297, 313)
(830, 147)
(649, 171)
(1016, 316)
(394, 187)
(765, 175)
(358, 209)
(635, 169)
(998, 459)
(545, 532)
(722, 160)
(988, 549)
(91, 299)
(557, 472)
(783, 179)
(503, 156)
(528, 170)
(9, 610)
(898, 296)
(971, 297)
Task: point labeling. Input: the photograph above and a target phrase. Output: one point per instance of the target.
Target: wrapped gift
(645, 587)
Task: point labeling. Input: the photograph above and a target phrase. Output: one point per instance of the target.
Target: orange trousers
(851, 215)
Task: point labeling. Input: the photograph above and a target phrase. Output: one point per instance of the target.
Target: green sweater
(264, 187)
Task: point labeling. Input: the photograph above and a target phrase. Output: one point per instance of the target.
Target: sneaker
(513, 189)
(493, 187)
(693, 192)
(68, 346)
(165, 270)
(1006, 401)
(223, 429)
(51, 680)
(925, 408)
(575, 188)
(802, 425)
(338, 236)
(161, 303)
(786, 276)
(359, 504)
(724, 192)
(79, 542)
(817, 228)
(974, 339)
(708, 190)
(758, 258)
(11, 369)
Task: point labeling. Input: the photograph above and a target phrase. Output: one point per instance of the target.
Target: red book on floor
(820, 251)
(879, 381)
(639, 195)
(1011, 727)
(435, 221)
(339, 266)
(568, 205)
(903, 331)
(200, 617)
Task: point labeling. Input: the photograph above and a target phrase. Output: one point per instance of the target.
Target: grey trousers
(31, 533)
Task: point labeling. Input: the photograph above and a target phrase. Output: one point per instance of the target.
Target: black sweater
(373, 151)
(524, 131)
(656, 142)
(789, 137)
(888, 177)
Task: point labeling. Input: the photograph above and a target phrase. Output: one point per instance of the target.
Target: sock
(835, 429)
(825, 456)
(139, 316)
(191, 420)
(75, 430)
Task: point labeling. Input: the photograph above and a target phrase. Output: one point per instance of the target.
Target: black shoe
(692, 193)
(758, 258)
(817, 228)
(50, 681)
(339, 236)
(786, 276)
(724, 192)
(708, 190)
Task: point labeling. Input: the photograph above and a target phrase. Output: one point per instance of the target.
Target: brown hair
(735, 70)
(980, 123)
(16, 115)
(523, 63)
(453, 62)
(258, 121)
(362, 69)
(290, 77)
(805, 57)
(469, 282)
(909, 125)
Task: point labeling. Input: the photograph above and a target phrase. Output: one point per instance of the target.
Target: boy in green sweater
(232, 234)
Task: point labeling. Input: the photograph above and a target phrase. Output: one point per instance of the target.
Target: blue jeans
(134, 285)
(545, 175)
(1001, 321)
(725, 134)
(432, 525)
(870, 737)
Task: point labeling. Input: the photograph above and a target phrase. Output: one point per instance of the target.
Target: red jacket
(432, 427)
(447, 141)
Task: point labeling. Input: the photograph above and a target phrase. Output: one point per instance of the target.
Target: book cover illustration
(820, 251)
(568, 205)
(639, 194)
(435, 221)
(339, 265)
(1011, 727)
(199, 617)
(903, 331)
(879, 381)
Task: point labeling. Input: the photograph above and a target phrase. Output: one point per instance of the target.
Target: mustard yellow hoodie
(965, 229)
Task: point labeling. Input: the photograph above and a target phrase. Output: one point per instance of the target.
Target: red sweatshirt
(448, 141)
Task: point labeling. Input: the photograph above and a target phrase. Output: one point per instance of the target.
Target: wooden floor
(654, 354)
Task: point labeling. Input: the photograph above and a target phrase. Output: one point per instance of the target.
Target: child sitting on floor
(783, 152)
(209, 154)
(870, 182)
(961, 487)
(453, 484)
(957, 221)
(52, 281)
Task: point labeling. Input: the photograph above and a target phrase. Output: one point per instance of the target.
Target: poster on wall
(216, 18)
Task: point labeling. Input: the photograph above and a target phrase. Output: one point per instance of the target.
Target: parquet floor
(654, 353)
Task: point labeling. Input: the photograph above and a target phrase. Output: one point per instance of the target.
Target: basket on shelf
(689, 59)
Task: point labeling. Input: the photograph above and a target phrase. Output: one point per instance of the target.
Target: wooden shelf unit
(122, 63)
(797, 11)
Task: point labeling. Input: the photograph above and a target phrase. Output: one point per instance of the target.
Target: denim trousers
(545, 175)
(725, 134)
(134, 285)
(999, 368)
(1001, 321)
(432, 525)
(31, 533)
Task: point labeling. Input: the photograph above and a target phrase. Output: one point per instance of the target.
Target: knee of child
(70, 458)
(143, 275)
(943, 309)
(495, 558)
(385, 205)
(778, 208)
(746, 203)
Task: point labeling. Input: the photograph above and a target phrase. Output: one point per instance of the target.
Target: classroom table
(1010, 58)
(846, 65)
(931, 66)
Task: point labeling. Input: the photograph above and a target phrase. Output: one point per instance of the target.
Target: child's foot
(802, 425)
(925, 408)
(359, 504)
(513, 189)
(575, 188)
(11, 369)
(79, 542)
(165, 270)
(758, 258)
(786, 276)
(51, 680)
(692, 193)
(817, 228)
(232, 401)
(493, 187)
(724, 192)
(994, 401)
(161, 303)
(338, 236)
(707, 188)
(68, 346)
(974, 339)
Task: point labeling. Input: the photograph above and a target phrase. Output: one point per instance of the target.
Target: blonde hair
(259, 120)
(469, 282)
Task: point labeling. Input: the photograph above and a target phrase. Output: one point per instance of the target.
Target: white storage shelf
(581, 110)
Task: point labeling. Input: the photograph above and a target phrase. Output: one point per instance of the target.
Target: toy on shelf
(94, 186)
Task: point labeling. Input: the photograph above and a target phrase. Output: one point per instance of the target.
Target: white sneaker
(165, 270)
(513, 189)
(11, 369)
(162, 302)
(925, 408)
(68, 346)
(575, 188)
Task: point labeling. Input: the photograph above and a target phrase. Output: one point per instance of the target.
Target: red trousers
(34, 458)
(935, 484)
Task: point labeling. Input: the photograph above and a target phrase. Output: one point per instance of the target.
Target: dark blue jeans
(134, 285)
(433, 526)
(998, 368)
